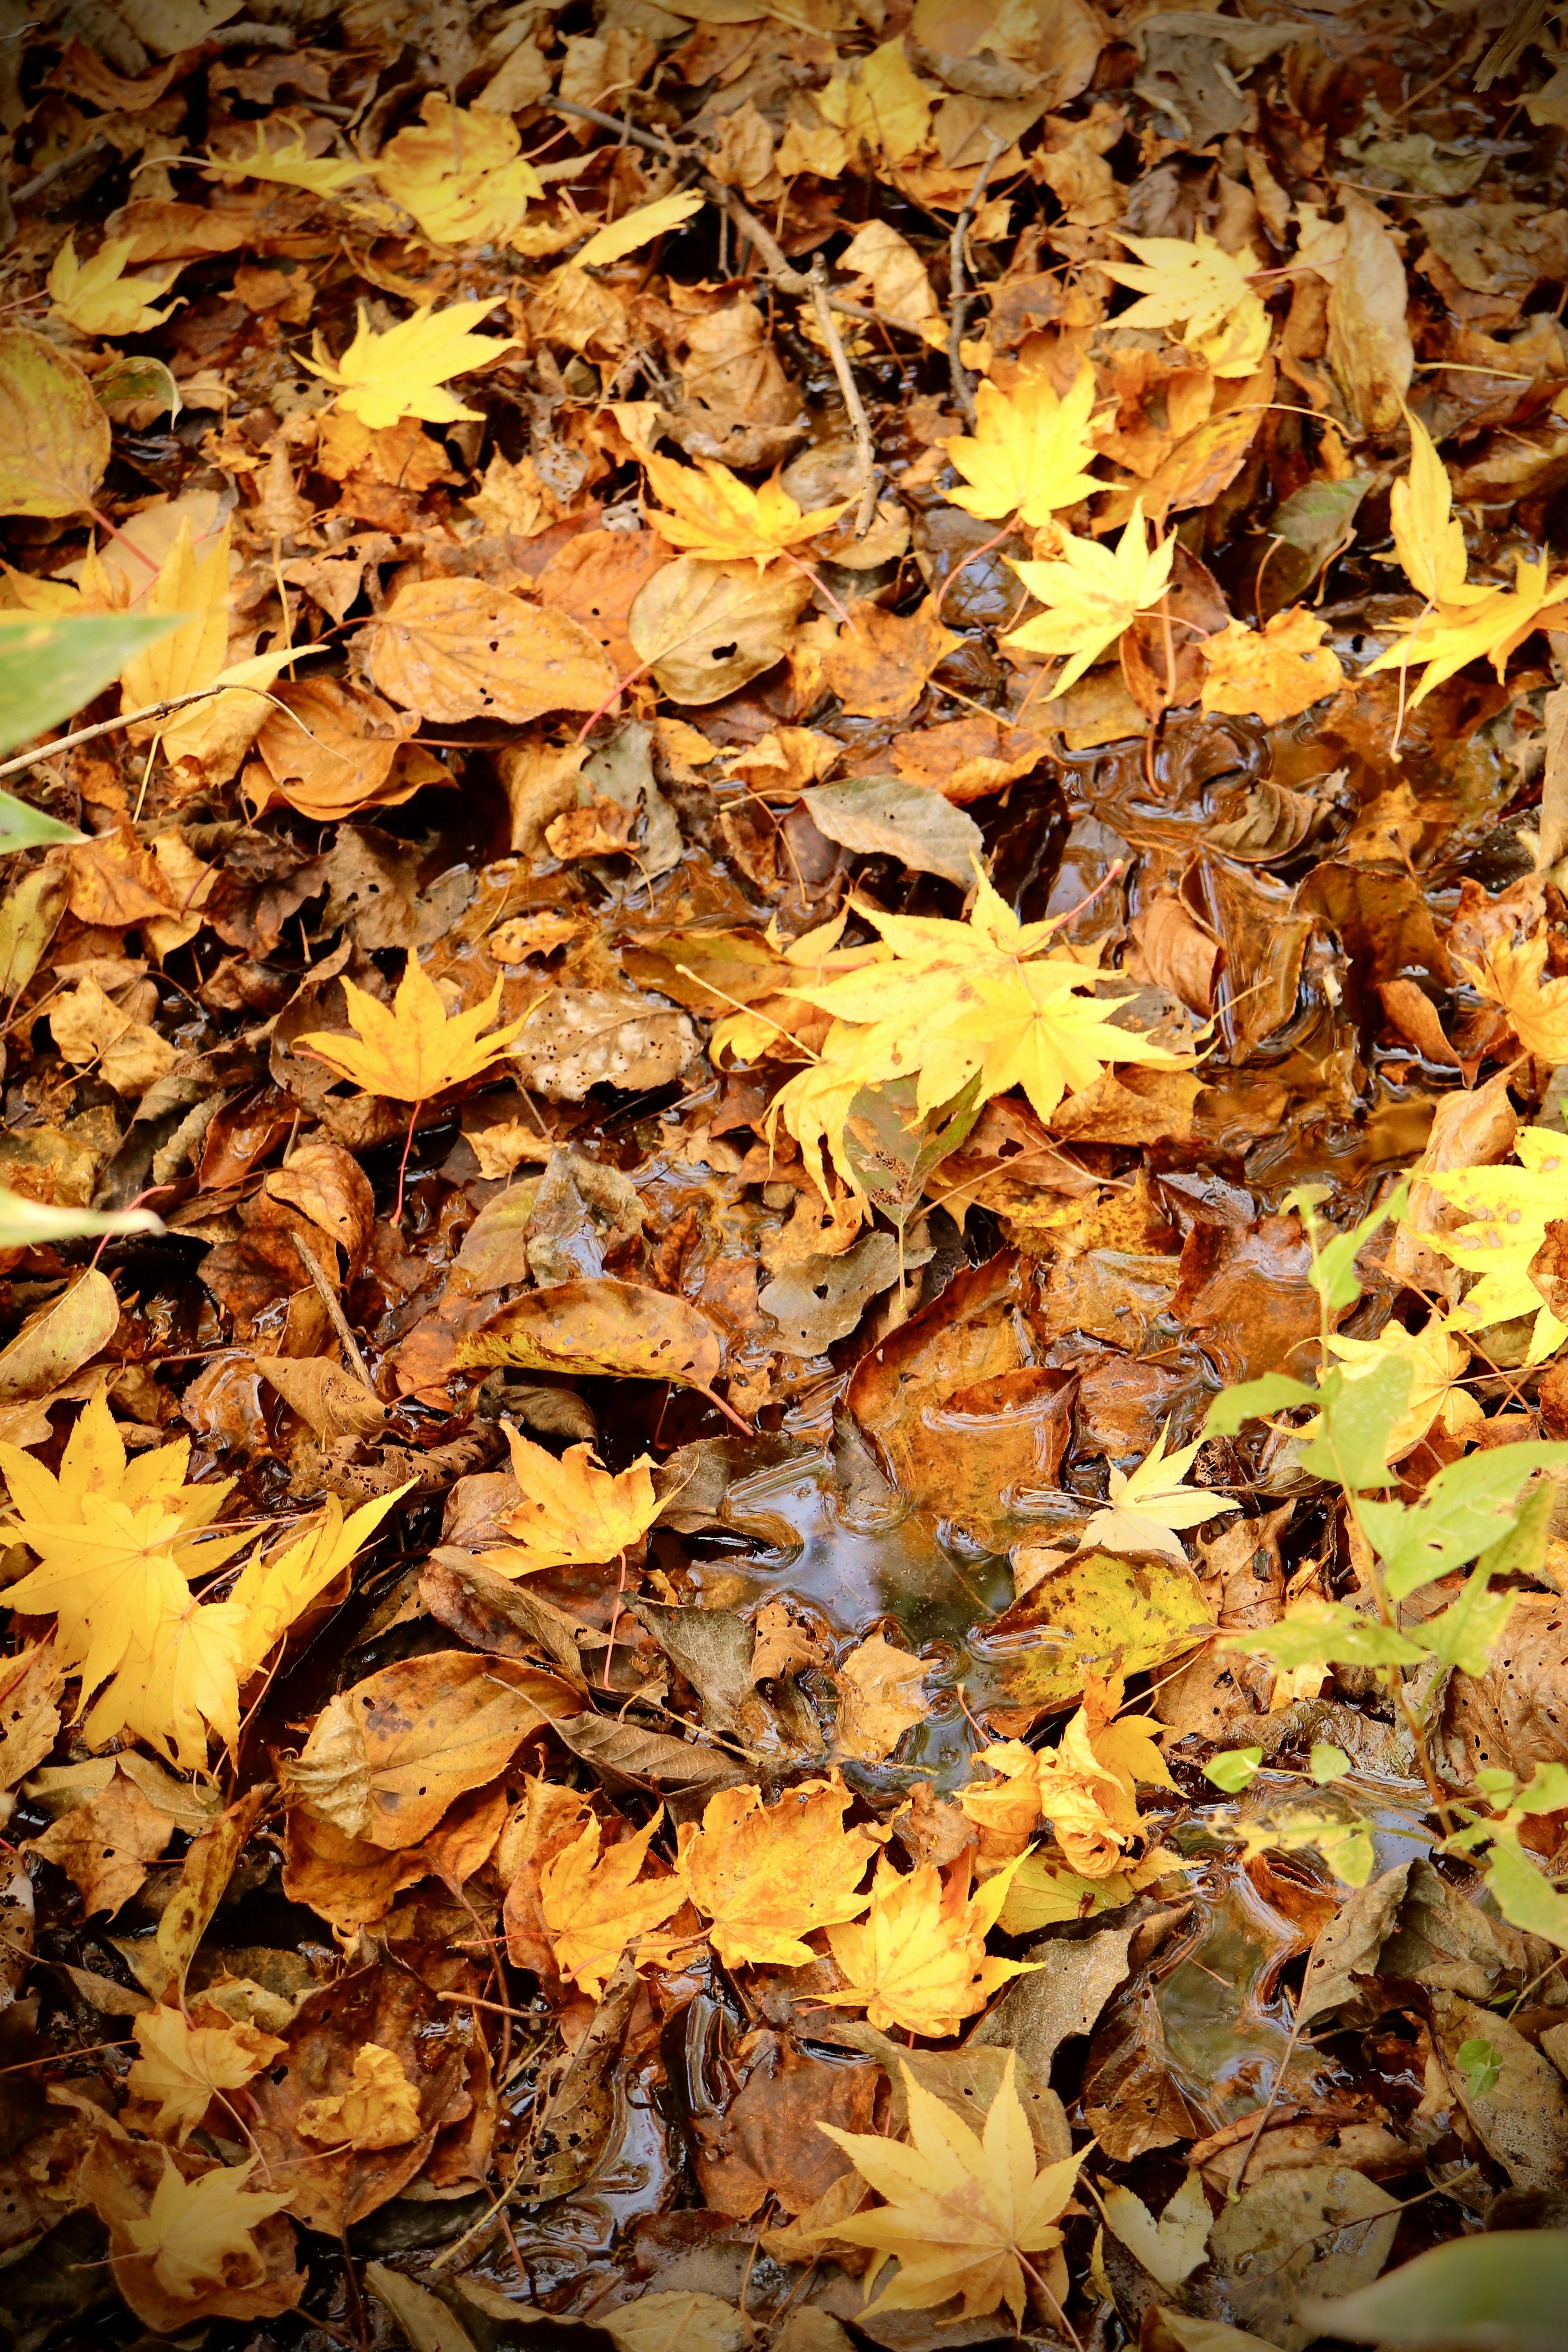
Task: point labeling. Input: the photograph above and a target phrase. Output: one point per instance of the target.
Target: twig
(35, 759)
(55, 170)
(958, 283)
(1236, 2186)
(855, 407)
(340, 1321)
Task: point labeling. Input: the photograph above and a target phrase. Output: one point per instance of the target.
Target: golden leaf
(1512, 973)
(415, 1049)
(95, 297)
(637, 228)
(877, 1700)
(1029, 450)
(1085, 1787)
(1272, 674)
(287, 166)
(918, 1959)
(713, 514)
(886, 106)
(380, 378)
(572, 1509)
(1507, 1212)
(183, 2067)
(1491, 627)
(380, 2108)
(1147, 1507)
(767, 1875)
(198, 2234)
(593, 1909)
(457, 649)
(1090, 595)
(1201, 288)
(460, 171)
(1438, 1359)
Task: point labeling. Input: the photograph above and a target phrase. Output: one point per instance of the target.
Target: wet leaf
(55, 435)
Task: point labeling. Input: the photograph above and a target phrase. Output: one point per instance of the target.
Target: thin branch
(34, 187)
(860, 423)
(36, 758)
(333, 1305)
(958, 283)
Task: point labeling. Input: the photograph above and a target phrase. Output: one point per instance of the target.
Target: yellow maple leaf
(637, 228)
(1201, 288)
(288, 166)
(593, 1909)
(1507, 1213)
(1086, 1786)
(1272, 674)
(1428, 537)
(1511, 973)
(415, 1049)
(381, 378)
(194, 656)
(965, 2212)
(1028, 451)
(572, 1509)
(95, 297)
(1437, 1357)
(766, 1876)
(1147, 1507)
(918, 1959)
(276, 1589)
(1491, 627)
(460, 171)
(884, 106)
(379, 2107)
(713, 514)
(1091, 593)
(185, 2067)
(947, 1002)
(199, 2233)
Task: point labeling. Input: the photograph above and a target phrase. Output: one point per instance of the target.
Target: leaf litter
(784, 1189)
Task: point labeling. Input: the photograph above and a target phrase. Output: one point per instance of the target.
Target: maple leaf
(949, 1000)
(1428, 537)
(1272, 674)
(1507, 1212)
(918, 1959)
(1148, 1507)
(572, 1509)
(1491, 626)
(381, 378)
(965, 2210)
(460, 173)
(185, 2067)
(713, 514)
(273, 1591)
(1199, 285)
(1028, 451)
(884, 107)
(416, 1049)
(1437, 1357)
(1171, 2248)
(593, 1909)
(199, 2232)
(288, 167)
(379, 2107)
(1091, 593)
(194, 656)
(1086, 1786)
(766, 1876)
(1510, 973)
(877, 1702)
(95, 297)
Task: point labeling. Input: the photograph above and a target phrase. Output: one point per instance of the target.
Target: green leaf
(1501, 2291)
(1480, 2064)
(1327, 1763)
(1330, 1634)
(1525, 1895)
(1351, 1442)
(894, 1152)
(1465, 1508)
(52, 663)
(1233, 1769)
(1252, 1399)
(1523, 1550)
(1463, 1635)
(25, 1223)
(1547, 1791)
(137, 377)
(23, 826)
(1333, 1276)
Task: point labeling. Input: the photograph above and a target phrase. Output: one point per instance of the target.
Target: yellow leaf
(593, 1910)
(185, 2067)
(379, 2107)
(637, 228)
(416, 1049)
(192, 656)
(287, 166)
(964, 2212)
(274, 1591)
(949, 1000)
(1493, 626)
(1273, 674)
(95, 297)
(572, 1510)
(713, 513)
(1511, 973)
(1091, 595)
(457, 649)
(1428, 537)
(767, 1875)
(1200, 286)
(918, 1959)
(1171, 2248)
(1438, 1359)
(1029, 451)
(886, 108)
(894, 278)
(198, 2232)
(460, 173)
(877, 1698)
(381, 378)
(1148, 1507)
(1085, 1787)
(1507, 1212)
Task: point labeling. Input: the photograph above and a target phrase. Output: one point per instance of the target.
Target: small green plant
(1480, 2064)
(1490, 1510)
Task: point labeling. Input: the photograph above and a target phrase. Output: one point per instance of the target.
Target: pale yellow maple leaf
(1086, 1786)
(965, 2213)
(1511, 973)
(1491, 627)
(593, 1907)
(1148, 1507)
(1201, 289)
(766, 1876)
(1028, 452)
(276, 1587)
(1438, 1359)
(194, 657)
(460, 173)
(95, 297)
(378, 2108)
(572, 1509)
(413, 1049)
(183, 2067)
(381, 378)
(288, 166)
(883, 105)
(1171, 2248)
(879, 1699)
(1428, 537)
(1507, 1212)
(199, 2233)
(713, 514)
(918, 1960)
(1091, 592)
(1270, 673)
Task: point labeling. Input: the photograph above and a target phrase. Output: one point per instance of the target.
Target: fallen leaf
(1029, 451)
(457, 649)
(1148, 1506)
(461, 173)
(593, 1909)
(1271, 674)
(704, 630)
(876, 1701)
(572, 1509)
(377, 2107)
(766, 1876)
(918, 1959)
(54, 435)
(189, 2240)
(181, 2068)
(1090, 596)
(713, 514)
(381, 377)
(417, 1048)
(95, 297)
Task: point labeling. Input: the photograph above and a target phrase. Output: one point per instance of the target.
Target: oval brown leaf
(455, 649)
(705, 629)
(54, 437)
(602, 1326)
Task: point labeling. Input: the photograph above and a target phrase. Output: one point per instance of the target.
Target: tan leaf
(457, 649)
(879, 1698)
(706, 629)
